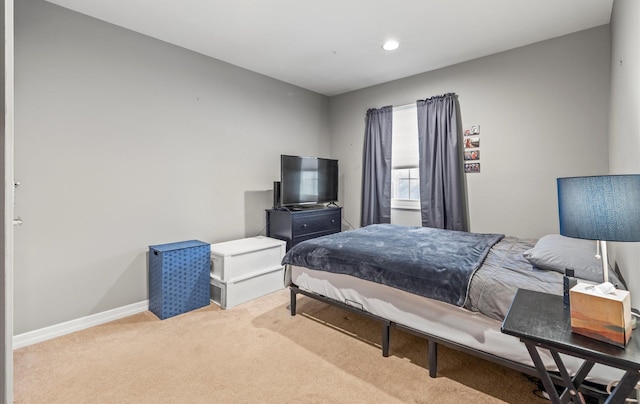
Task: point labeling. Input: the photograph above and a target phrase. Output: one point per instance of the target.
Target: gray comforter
(429, 262)
(504, 270)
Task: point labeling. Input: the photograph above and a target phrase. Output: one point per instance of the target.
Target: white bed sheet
(446, 321)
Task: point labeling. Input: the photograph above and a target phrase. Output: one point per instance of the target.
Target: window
(406, 184)
(405, 180)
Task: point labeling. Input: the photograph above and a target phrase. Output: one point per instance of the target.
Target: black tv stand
(294, 226)
(298, 208)
(306, 207)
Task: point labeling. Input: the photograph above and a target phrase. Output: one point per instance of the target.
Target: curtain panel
(376, 167)
(442, 195)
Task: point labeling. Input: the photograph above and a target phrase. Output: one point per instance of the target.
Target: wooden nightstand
(540, 320)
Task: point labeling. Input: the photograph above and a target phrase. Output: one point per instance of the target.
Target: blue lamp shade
(603, 207)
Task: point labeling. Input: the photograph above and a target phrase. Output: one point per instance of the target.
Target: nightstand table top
(542, 317)
(540, 320)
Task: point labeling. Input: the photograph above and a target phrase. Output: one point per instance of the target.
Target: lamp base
(605, 260)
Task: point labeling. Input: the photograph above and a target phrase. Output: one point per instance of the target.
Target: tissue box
(603, 317)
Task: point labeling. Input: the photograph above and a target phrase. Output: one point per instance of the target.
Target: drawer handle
(304, 225)
(333, 220)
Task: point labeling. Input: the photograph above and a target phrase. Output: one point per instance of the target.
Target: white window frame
(404, 149)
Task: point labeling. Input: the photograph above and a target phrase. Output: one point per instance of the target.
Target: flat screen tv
(307, 180)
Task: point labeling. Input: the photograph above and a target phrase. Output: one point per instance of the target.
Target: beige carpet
(254, 353)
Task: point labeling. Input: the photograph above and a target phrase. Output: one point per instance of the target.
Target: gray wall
(123, 141)
(543, 111)
(624, 137)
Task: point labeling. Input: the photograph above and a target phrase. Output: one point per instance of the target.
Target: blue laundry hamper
(178, 277)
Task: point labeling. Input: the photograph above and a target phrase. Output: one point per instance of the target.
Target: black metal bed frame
(433, 341)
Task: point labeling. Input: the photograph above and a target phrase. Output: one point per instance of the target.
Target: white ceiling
(334, 46)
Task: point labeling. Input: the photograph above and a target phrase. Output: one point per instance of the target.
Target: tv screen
(308, 180)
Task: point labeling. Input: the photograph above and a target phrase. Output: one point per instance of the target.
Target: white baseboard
(43, 334)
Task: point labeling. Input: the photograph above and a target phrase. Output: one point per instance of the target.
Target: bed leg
(386, 329)
(292, 304)
(433, 359)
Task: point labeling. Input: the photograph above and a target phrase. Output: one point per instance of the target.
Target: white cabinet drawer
(232, 293)
(239, 258)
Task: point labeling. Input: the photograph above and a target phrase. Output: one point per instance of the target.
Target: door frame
(6, 247)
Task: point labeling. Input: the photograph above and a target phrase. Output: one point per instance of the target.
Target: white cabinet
(244, 269)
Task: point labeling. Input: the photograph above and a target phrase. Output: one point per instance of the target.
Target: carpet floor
(254, 353)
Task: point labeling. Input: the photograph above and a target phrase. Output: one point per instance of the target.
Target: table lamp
(603, 208)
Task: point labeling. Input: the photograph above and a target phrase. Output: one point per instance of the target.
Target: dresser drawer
(294, 226)
(322, 221)
(299, 239)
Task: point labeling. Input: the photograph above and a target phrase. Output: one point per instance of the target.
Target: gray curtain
(376, 167)
(442, 196)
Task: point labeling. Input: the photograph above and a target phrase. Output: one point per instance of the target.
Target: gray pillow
(556, 253)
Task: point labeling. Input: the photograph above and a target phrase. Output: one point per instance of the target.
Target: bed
(376, 271)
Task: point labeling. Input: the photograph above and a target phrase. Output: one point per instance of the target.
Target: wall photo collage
(472, 149)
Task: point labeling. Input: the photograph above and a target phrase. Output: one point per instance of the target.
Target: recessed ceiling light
(390, 45)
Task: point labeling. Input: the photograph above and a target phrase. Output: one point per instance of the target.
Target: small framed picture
(472, 167)
(471, 142)
(472, 130)
(472, 155)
